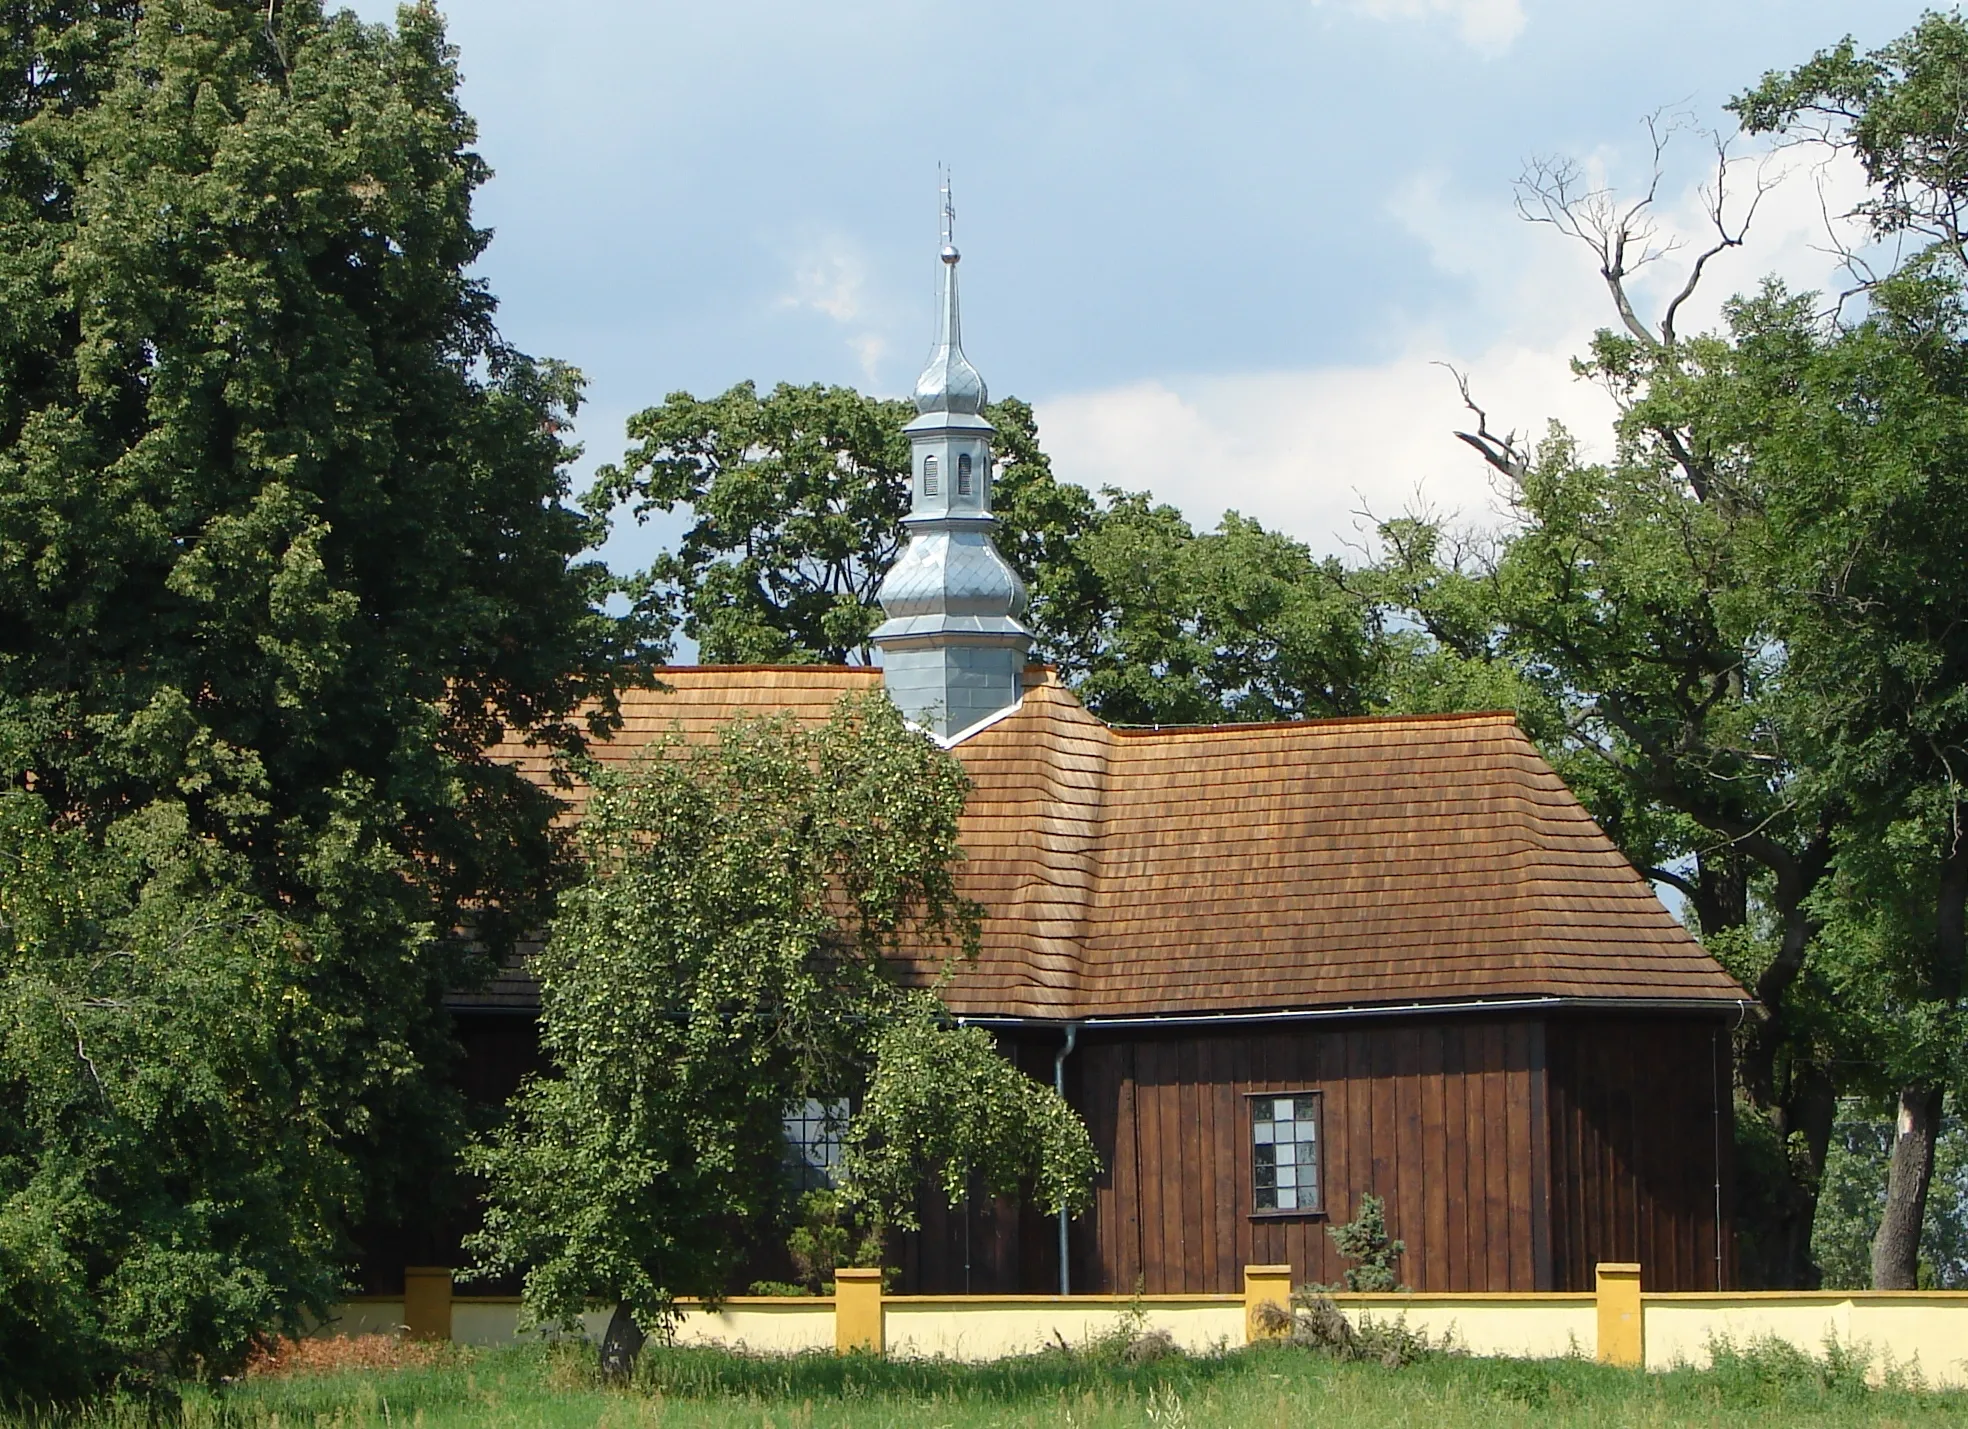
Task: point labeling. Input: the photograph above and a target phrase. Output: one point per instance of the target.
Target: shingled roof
(1323, 864)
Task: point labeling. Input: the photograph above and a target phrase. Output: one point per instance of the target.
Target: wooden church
(1274, 967)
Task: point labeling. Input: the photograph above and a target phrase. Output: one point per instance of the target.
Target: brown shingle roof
(1248, 868)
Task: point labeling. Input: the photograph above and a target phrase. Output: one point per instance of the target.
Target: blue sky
(1219, 247)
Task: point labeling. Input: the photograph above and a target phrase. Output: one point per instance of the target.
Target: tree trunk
(1721, 891)
(1896, 1249)
(1777, 1197)
(620, 1346)
(1784, 1081)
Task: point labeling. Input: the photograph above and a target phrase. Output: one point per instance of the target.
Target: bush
(1364, 1240)
(1314, 1322)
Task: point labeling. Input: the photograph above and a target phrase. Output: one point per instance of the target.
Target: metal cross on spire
(948, 215)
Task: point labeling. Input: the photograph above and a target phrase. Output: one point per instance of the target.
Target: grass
(548, 1388)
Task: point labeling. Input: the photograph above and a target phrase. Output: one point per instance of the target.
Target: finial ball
(950, 254)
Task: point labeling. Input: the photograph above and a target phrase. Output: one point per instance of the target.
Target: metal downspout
(1059, 1085)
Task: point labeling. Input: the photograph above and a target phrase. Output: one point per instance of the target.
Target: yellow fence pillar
(858, 1311)
(1265, 1285)
(427, 1302)
(1622, 1329)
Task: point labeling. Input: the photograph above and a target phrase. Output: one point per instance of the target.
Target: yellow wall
(990, 1327)
(1910, 1330)
(1537, 1326)
(1922, 1331)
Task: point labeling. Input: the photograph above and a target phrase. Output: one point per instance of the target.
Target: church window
(963, 474)
(1285, 1144)
(929, 476)
(813, 1143)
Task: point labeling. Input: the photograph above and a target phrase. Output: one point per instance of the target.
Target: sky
(1222, 249)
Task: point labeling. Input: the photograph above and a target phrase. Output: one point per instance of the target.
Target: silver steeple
(953, 647)
(948, 382)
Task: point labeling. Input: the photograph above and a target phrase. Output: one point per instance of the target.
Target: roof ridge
(1488, 717)
(661, 670)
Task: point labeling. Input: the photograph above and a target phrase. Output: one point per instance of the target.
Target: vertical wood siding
(1513, 1154)
(1641, 1132)
(1438, 1118)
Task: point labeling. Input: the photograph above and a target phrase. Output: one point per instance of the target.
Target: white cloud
(1314, 452)
(830, 277)
(1487, 26)
(829, 280)
(1308, 451)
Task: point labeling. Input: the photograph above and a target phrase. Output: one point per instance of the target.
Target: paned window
(1285, 1151)
(813, 1142)
(929, 476)
(963, 473)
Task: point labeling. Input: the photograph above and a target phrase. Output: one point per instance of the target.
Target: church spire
(949, 383)
(953, 647)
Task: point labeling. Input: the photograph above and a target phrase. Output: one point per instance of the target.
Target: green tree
(284, 546)
(1866, 491)
(796, 502)
(732, 952)
(172, 1181)
(1239, 623)
(1622, 619)
(1857, 432)
(1376, 1256)
(1749, 616)
(1854, 1199)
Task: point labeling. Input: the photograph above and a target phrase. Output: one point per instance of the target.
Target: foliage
(1897, 110)
(1855, 1193)
(827, 1235)
(1314, 1322)
(735, 949)
(1747, 619)
(164, 1190)
(1239, 623)
(942, 1100)
(796, 501)
(1858, 430)
(283, 547)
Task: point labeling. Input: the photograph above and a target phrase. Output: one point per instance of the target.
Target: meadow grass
(549, 1388)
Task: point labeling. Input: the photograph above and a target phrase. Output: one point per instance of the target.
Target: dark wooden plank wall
(984, 1246)
(1513, 1154)
(1641, 1133)
(1441, 1118)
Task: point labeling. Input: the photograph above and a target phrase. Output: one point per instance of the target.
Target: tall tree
(284, 545)
(1860, 437)
(733, 951)
(1869, 529)
(1239, 623)
(1629, 597)
(796, 502)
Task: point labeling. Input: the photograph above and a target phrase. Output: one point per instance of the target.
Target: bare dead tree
(1624, 234)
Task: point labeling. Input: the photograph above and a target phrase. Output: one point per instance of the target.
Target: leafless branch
(1502, 452)
(1715, 202)
(82, 1053)
(1624, 235)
